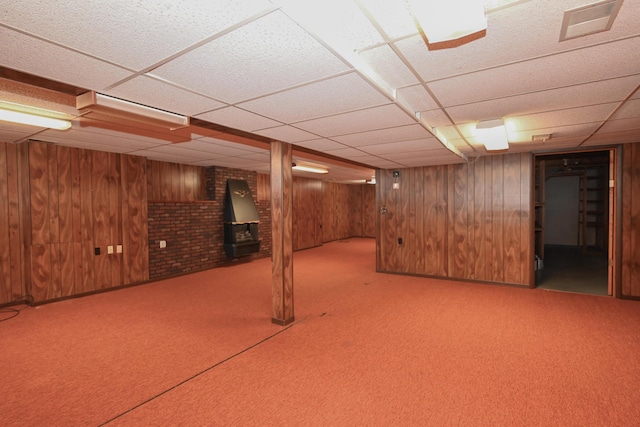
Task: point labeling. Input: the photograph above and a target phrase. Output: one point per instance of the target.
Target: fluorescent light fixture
(27, 115)
(93, 102)
(371, 181)
(445, 20)
(309, 168)
(493, 134)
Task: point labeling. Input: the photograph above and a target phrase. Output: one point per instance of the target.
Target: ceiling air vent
(590, 19)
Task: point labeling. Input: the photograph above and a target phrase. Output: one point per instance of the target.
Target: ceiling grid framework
(355, 83)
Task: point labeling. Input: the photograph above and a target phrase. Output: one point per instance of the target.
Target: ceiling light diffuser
(448, 20)
(309, 168)
(493, 134)
(32, 116)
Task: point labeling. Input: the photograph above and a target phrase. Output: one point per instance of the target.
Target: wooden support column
(281, 233)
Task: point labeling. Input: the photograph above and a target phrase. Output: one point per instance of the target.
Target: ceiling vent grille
(590, 19)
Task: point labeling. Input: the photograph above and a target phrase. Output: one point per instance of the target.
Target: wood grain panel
(86, 222)
(64, 193)
(466, 221)
(39, 191)
(307, 217)
(52, 176)
(101, 215)
(41, 272)
(264, 187)
(135, 228)
(5, 250)
(175, 182)
(16, 277)
(511, 211)
(369, 210)
(630, 274)
(115, 219)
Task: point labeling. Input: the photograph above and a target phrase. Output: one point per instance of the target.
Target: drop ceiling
(351, 84)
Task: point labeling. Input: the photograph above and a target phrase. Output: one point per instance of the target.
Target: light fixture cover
(33, 116)
(93, 102)
(304, 167)
(445, 20)
(493, 134)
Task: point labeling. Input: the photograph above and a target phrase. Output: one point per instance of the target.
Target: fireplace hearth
(240, 220)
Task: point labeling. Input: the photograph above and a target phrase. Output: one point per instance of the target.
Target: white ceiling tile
(540, 74)
(77, 137)
(394, 134)
(286, 134)
(293, 105)
(154, 93)
(133, 34)
(273, 43)
(394, 17)
(632, 123)
(321, 144)
(216, 148)
(572, 116)
(568, 97)
(238, 118)
(358, 121)
(346, 153)
(389, 66)
(629, 109)
(417, 98)
(403, 146)
(40, 58)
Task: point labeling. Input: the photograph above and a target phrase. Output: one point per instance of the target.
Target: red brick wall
(194, 231)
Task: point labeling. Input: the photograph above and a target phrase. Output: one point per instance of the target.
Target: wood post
(281, 233)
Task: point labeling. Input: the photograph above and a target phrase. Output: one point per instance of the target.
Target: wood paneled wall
(630, 277)
(307, 213)
(467, 221)
(362, 215)
(82, 201)
(12, 283)
(337, 209)
(173, 182)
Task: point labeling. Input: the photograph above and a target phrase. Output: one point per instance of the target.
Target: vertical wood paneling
(175, 182)
(41, 288)
(512, 227)
(86, 222)
(264, 187)
(307, 217)
(15, 280)
(5, 250)
(115, 218)
(39, 191)
(467, 221)
(630, 274)
(101, 215)
(369, 210)
(53, 196)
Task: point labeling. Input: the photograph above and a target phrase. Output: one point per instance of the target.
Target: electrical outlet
(399, 240)
(163, 244)
(96, 251)
(119, 249)
(110, 250)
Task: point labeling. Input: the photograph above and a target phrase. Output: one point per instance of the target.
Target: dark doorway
(572, 222)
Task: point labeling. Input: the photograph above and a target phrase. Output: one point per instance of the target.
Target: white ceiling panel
(403, 147)
(347, 153)
(417, 98)
(273, 43)
(358, 121)
(400, 133)
(287, 134)
(238, 118)
(389, 66)
(155, 93)
(322, 144)
(613, 90)
(618, 125)
(133, 34)
(77, 137)
(540, 74)
(573, 116)
(34, 56)
(294, 106)
(218, 148)
(628, 110)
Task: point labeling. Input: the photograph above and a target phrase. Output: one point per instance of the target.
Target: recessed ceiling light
(590, 19)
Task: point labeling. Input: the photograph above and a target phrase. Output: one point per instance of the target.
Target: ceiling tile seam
(613, 113)
(536, 92)
(69, 48)
(296, 86)
(415, 73)
(534, 58)
(196, 45)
